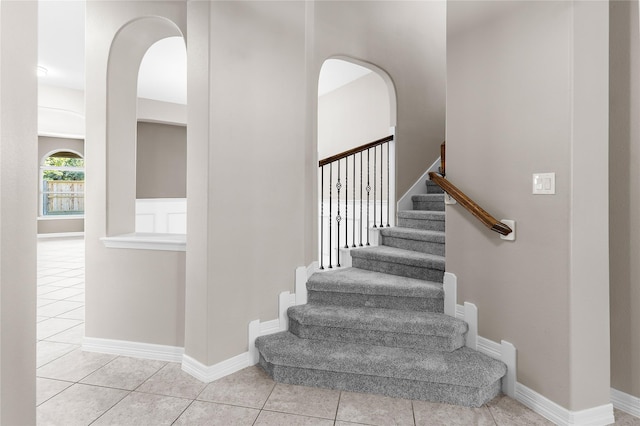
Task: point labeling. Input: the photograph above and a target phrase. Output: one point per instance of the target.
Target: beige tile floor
(83, 388)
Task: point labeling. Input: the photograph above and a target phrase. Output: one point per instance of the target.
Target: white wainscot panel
(161, 215)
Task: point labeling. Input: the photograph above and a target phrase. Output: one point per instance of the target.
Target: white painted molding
(450, 286)
(147, 241)
(285, 300)
(625, 402)
(471, 318)
(596, 416)
(345, 257)
(62, 235)
(503, 351)
(419, 187)
(133, 349)
(161, 215)
(509, 356)
(374, 237)
(209, 373)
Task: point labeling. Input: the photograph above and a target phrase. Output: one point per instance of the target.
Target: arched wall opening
(61, 186)
(356, 106)
(128, 48)
(161, 143)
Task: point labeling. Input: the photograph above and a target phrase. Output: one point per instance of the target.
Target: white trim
(450, 287)
(625, 402)
(62, 217)
(419, 187)
(596, 416)
(133, 349)
(471, 318)
(147, 241)
(209, 373)
(62, 235)
(285, 300)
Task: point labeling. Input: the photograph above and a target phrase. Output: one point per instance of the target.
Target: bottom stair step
(462, 377)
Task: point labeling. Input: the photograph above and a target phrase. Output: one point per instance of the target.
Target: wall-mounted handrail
(466, 202)
(362, 205)
(355, 150)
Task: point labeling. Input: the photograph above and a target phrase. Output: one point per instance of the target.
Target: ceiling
(163, 71)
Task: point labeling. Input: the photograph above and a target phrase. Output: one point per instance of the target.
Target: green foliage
(72, 175)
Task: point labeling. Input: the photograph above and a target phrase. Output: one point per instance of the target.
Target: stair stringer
(503, 351)
(286, 299)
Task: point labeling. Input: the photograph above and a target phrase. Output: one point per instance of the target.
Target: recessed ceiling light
(42, 71)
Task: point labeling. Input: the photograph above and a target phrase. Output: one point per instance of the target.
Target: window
(62, 185)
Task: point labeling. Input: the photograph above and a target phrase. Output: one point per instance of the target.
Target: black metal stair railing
(357, 210)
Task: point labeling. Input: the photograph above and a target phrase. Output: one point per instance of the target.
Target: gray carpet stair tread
(463, 367)
(354, 280)
(400, 256)
(422, 215)
(414, 234)
(389, 320)
(428, 197)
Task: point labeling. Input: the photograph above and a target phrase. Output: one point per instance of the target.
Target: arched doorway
(356, 127)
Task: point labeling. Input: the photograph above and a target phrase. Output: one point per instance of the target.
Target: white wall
(18, 176)
(527, 92)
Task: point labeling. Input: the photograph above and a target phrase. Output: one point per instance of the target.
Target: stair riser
(427, 225)
(376, 301)
(414, 245)
(436, 206)
(398, 388)
(376, 337)
(420, 273)
(432, 188)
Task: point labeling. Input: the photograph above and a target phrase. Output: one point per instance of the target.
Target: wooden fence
(63, 197)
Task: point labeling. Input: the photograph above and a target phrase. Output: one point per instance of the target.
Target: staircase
(379, 327)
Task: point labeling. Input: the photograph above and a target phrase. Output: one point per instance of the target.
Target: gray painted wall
(527, 92)
(134, 295)
(624, 205)
(18, 178)
(352, 115)
(161, 161)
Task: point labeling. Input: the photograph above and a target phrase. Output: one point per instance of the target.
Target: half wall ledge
(147, 241)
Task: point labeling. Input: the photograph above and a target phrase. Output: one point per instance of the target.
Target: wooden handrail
(466, 202)
(354, 151)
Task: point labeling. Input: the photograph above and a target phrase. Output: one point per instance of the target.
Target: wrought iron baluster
(368, 191)
(346, 202)
(330, 210)
(388, 178)
(353, 222)
(381, 185)
(361, 198)
(338, 219)
(375, 149)
(321, 217)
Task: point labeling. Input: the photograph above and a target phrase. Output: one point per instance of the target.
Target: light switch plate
(544, 183)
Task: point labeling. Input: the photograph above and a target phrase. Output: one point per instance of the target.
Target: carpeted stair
(379, 326)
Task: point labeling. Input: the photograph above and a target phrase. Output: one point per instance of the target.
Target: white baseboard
(506, 352)
(133, 349)
(285, 300)
(209, 373)
(625, 402)
(596, 416)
